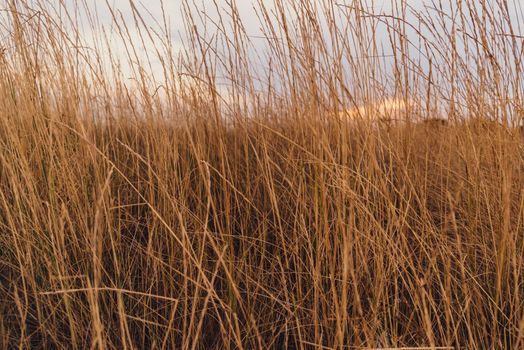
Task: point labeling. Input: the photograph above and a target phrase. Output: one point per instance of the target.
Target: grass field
(173, 211)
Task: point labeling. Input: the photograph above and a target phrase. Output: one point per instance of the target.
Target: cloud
(387, 109)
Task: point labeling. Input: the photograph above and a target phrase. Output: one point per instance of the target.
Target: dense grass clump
(284, 210)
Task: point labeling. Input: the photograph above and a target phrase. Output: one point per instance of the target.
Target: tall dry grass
(171, 212)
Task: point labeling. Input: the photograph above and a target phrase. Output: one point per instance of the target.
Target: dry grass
(167, 213)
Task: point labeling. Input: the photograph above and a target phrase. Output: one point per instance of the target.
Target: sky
(152, 15)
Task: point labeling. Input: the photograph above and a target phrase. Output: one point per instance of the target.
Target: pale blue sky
(151, 11)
